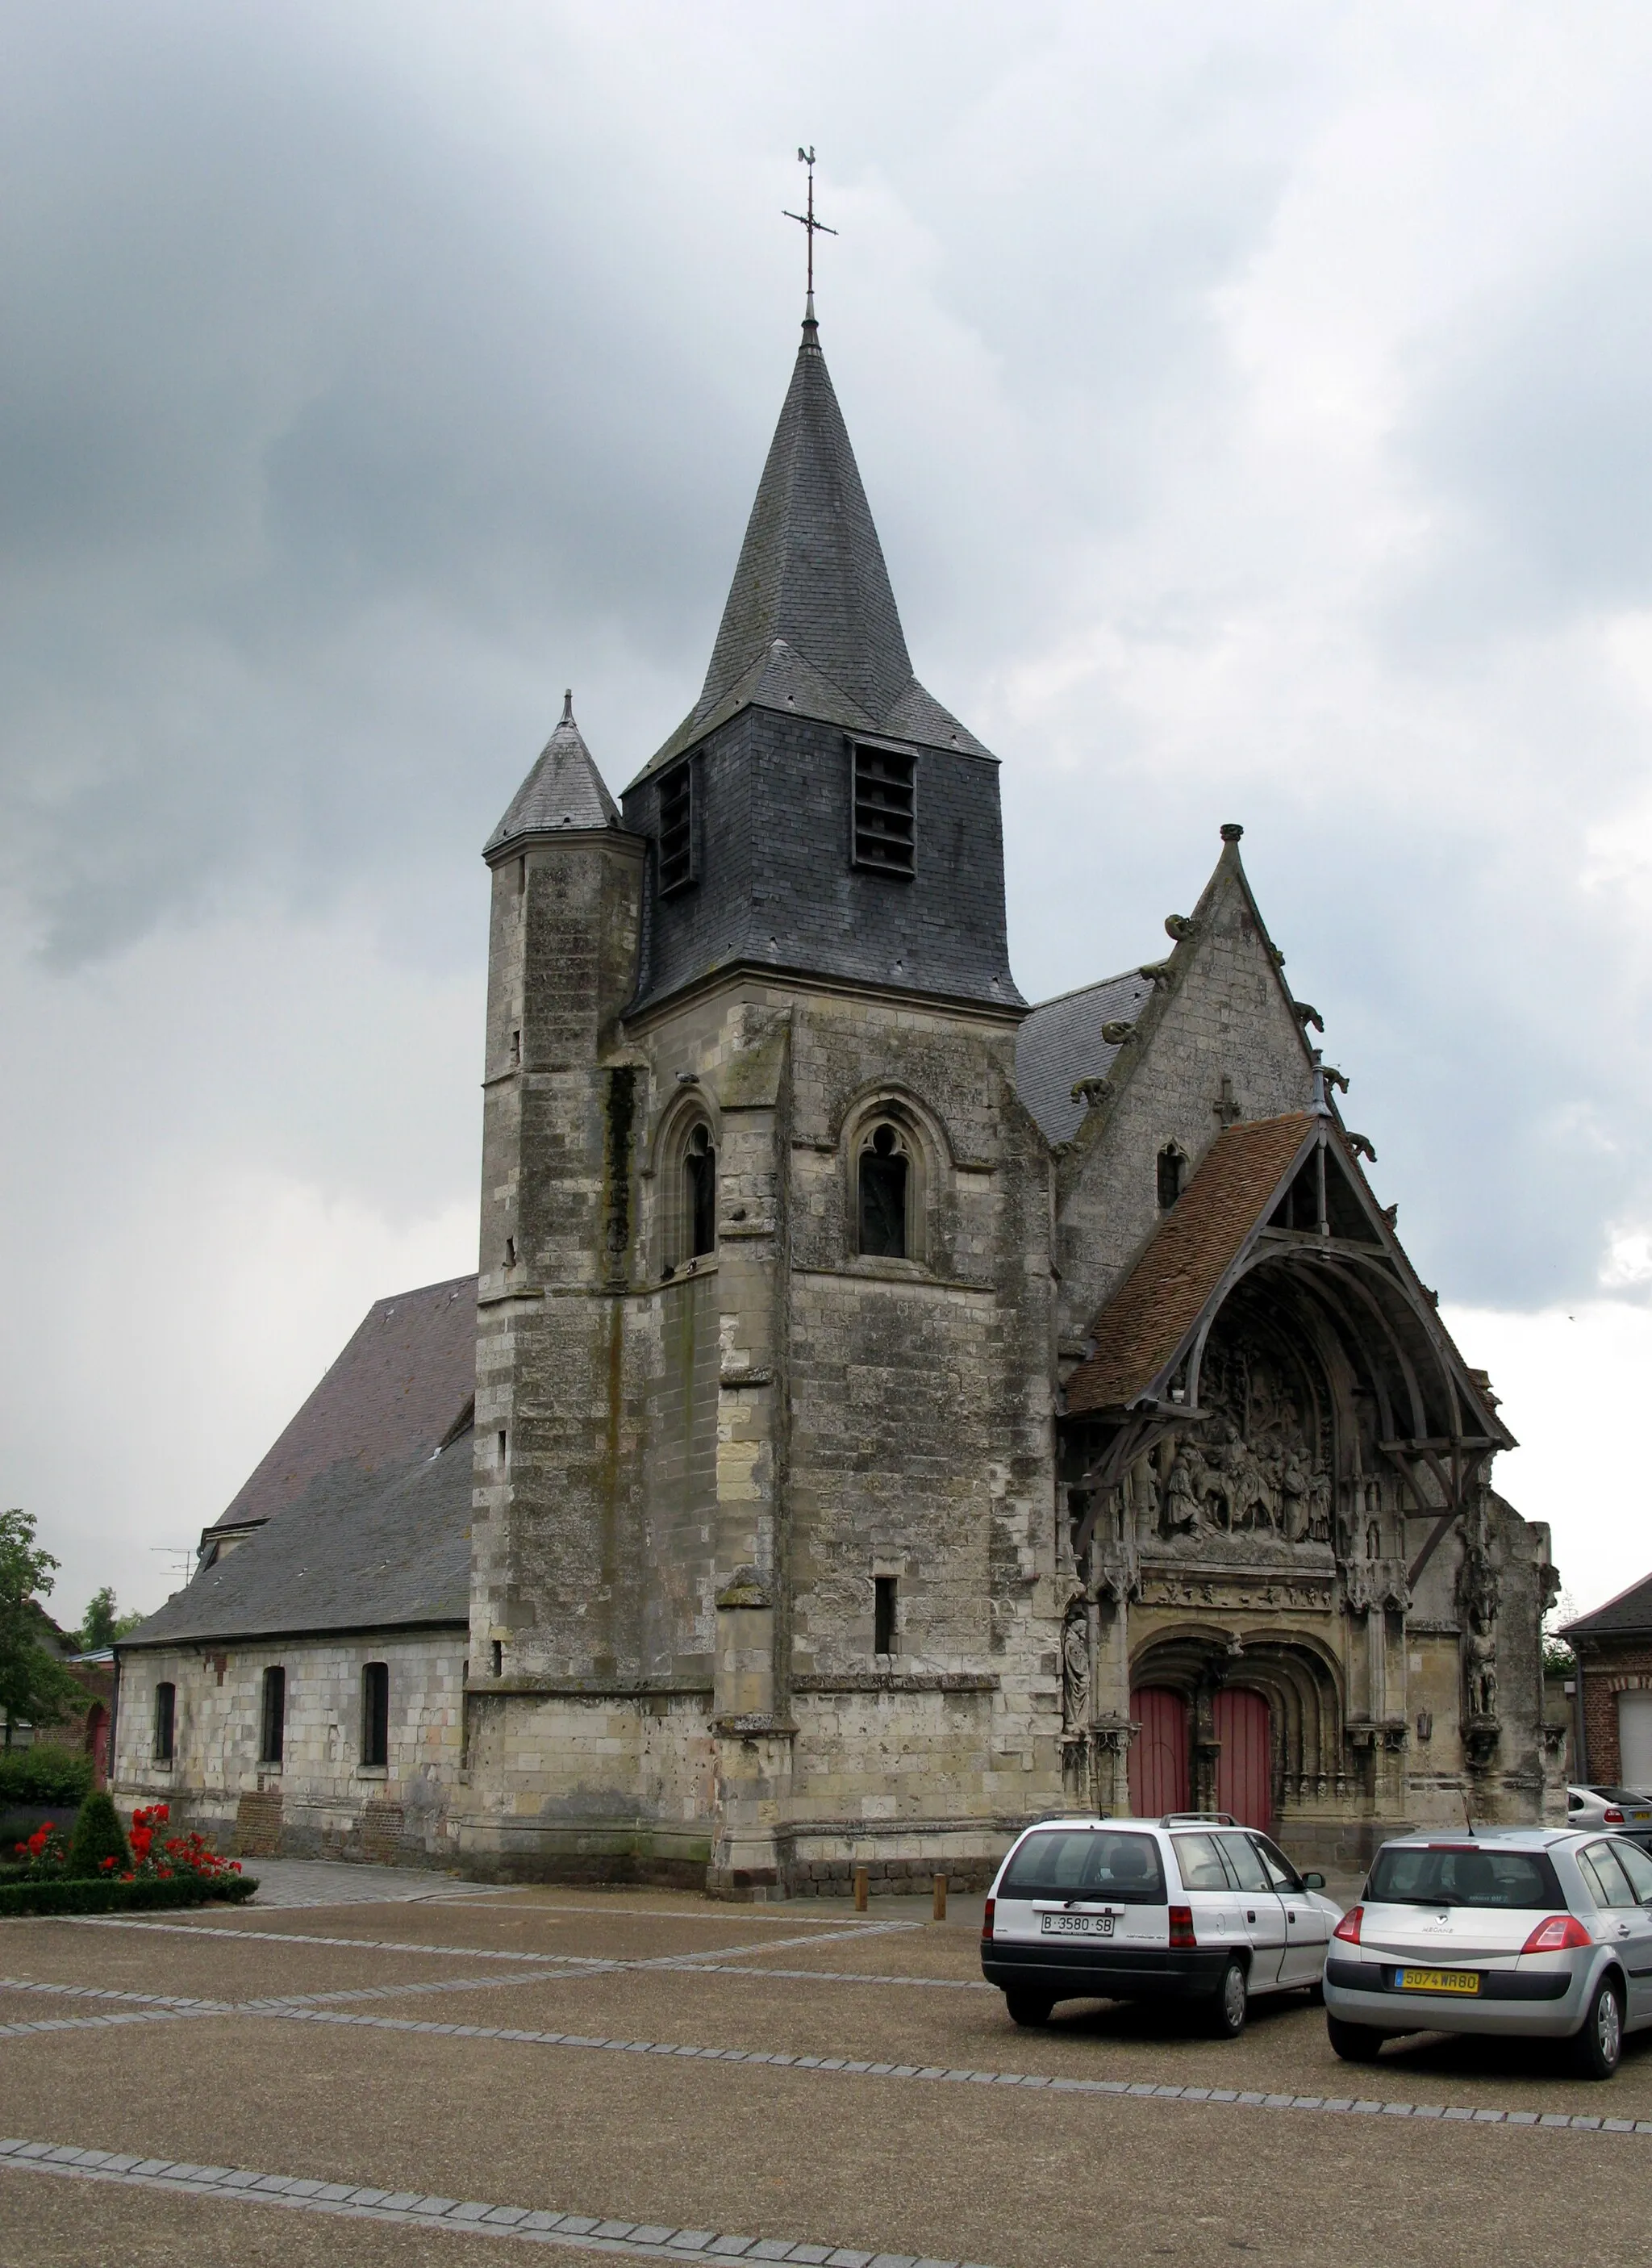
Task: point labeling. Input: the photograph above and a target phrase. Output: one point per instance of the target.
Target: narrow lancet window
(1171, 1168)
(699, 1193)
(165, 1719)
(273, 1739)
(375, 1714)
(884, 1614)
(883, 1175)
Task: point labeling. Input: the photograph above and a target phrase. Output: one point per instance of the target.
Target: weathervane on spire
(808, 221)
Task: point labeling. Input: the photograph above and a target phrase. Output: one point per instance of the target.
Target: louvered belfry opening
(676, 828)
(885, 830)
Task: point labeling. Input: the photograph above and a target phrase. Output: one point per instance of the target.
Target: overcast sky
(1256, 406)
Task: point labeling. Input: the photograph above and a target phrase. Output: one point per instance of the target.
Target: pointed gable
(563, 792)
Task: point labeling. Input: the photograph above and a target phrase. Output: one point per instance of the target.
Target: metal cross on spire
(809, 222)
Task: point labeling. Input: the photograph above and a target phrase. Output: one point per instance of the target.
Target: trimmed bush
(103, 1897)
(44, 1775)
(98, 1838)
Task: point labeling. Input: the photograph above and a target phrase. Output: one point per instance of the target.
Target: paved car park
(653, 2076)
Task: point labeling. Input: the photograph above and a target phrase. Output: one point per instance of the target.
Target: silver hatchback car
(1530, 1932)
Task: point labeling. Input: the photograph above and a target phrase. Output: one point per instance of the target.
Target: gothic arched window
(883, 1178)
(1172, 1167)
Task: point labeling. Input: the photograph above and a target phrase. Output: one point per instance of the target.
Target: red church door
(1158, 1754)
(1244, 1769)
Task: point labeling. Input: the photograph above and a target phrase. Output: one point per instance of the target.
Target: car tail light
(1348, 1928)
(1560, 1934)
(1182, 1925)
(987, 1922)
(1613, 1816)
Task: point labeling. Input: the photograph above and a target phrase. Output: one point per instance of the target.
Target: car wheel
(1228, 2008)
(1029, 2008)
(1354, 2042)
(1598, 2046)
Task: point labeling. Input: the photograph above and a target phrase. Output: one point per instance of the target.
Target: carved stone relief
(1248, 1480)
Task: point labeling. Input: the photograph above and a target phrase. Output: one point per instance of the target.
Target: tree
(35, 1688)
(102, 1626)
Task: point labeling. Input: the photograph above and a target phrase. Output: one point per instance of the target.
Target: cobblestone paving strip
(590, 1961)
(573, 2231)
(848, 2068)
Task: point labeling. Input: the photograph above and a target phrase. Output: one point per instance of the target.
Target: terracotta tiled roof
(1144, 1323)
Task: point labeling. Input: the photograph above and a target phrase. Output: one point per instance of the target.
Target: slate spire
(812, 569)
(563, 792)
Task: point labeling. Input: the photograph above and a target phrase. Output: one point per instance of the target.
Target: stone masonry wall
(328, 1803)
(1228, 1016)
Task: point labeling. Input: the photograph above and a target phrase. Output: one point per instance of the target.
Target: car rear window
(1086, 1862)
(1462, 1875)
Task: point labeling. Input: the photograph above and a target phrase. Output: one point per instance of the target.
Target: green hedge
(44, 1775)
(141, 1896)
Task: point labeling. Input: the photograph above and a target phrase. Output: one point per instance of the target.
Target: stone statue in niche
(1181, 1509)
(1075, 1670)
(1479, 1641)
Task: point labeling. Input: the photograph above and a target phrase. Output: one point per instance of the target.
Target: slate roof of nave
(393, 1555)
(364, 1500)
(393, 1393)
(1061, 1043)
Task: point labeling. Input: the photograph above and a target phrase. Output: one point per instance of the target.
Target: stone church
(885, 1413)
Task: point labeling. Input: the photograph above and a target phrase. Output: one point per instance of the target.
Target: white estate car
(1539, 1932)
(1189, 1907)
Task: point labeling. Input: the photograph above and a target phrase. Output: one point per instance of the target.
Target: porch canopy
(1277, 1236)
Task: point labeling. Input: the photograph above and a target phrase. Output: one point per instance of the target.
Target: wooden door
(1245, 1767)
(1158, 1754)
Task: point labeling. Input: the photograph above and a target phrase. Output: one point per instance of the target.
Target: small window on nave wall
(1172, 1171)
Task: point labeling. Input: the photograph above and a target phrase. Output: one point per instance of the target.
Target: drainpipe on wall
(1580, 1726)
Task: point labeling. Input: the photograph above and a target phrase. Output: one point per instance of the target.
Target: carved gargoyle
(1363, 1146)
(1177, 925)
(1307, 1013)
(1115, 1034)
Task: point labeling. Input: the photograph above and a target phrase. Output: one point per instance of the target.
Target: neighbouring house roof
(1627, 1616)
(1181, 1269)
(397, 1388)
(359, 1516)
(1061, 1043)
(563, 794)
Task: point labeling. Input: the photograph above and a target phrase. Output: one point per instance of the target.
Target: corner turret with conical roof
(818, 811)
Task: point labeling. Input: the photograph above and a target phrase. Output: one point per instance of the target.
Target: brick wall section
(1609, 1666)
